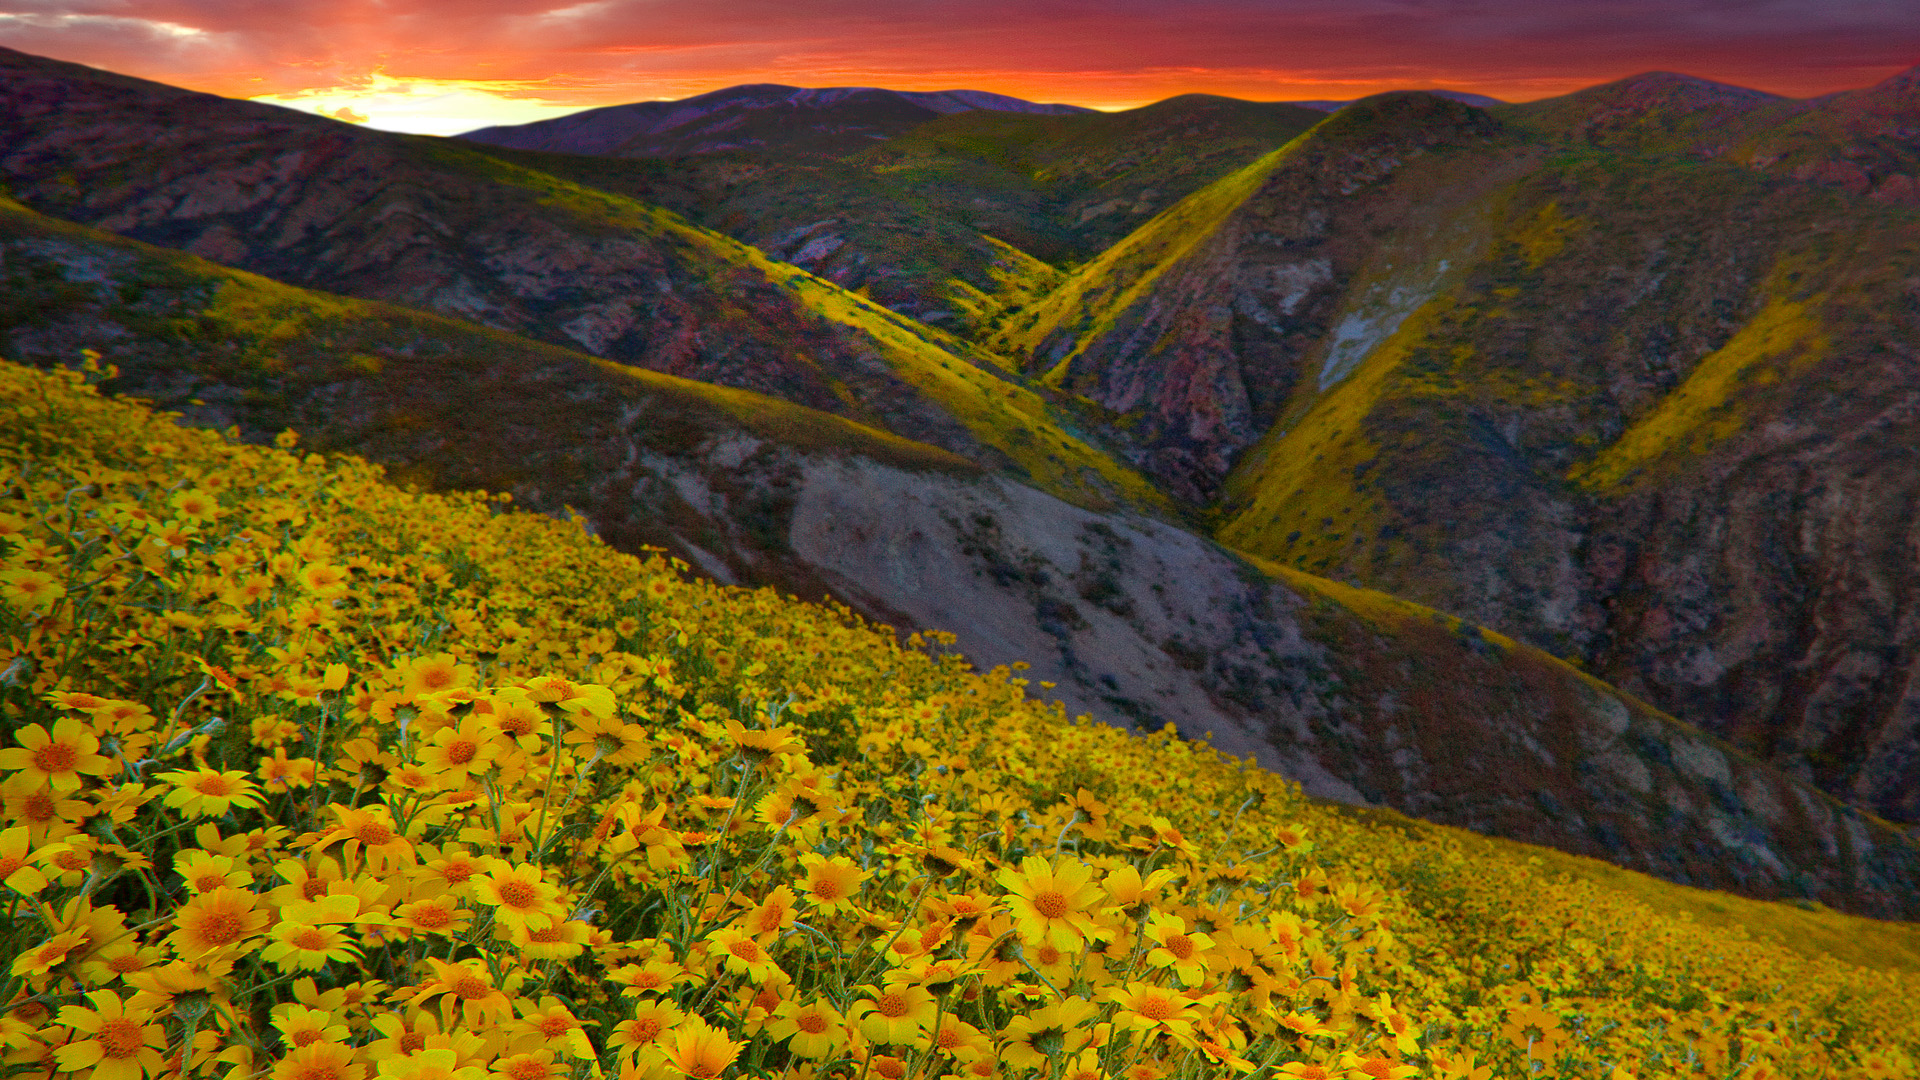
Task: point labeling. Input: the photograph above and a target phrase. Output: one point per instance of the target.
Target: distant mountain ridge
(1327, 105)
(760, 116)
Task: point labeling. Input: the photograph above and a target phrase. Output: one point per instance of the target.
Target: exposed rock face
(1656, 416)
(1134, 620)
(1653, 415)
(1773, 592)
(1361, 697)
(1201, 364)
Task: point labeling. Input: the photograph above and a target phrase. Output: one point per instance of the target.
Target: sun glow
(424, 106)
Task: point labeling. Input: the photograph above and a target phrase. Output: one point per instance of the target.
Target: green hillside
(223, 346)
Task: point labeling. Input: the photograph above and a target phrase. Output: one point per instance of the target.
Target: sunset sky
(446, 66)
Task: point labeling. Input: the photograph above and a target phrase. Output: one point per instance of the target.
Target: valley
(1542, 469)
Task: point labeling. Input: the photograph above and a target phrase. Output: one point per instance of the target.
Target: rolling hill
(764, 118)
(1461, 356)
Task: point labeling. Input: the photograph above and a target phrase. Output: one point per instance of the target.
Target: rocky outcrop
(1655, 418)
(1207, 342)
(1122, 617)
(1650, 413)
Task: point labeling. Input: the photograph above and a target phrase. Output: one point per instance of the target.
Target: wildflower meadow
(312, 777)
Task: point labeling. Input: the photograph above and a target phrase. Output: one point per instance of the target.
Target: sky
(446, 66)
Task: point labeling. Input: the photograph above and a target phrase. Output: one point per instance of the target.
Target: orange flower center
(302, 1038)
(1181, 946)
(517, 893)
(124, 963)
(413, 1042)
(746, 949)
(73, 860)
(825, 888)
(812, 1023)
(55, 758)
(544, 937)
(891, 1006)
(213, 784)
(432, 917)
(948, 1038)
(436, 678)
(373, 834)
(456, 873)
(516, 724)
(313, 888)
(319, 1070)
(220, 928)
(461, 751)
(472, 987)
(310, 939)
(1052, 904)
(891, 1068)
(1047, 954)
(1155, 1007)
(38, 807)
(121, 1038)
(8, 864)
(645, 1029)
(209, 881)
(527, 1069)
(555, 1026)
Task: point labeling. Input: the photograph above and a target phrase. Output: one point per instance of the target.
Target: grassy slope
(1304, 493)
(1707, 408)
(236, 327)
(971, 214)
(1087, 303)
(1432, 901)
(1805, 928)
(1002, 415)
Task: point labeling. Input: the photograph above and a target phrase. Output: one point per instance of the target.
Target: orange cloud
(525, 58)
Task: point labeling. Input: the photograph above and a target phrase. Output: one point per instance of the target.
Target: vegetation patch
(306, 773)
(1709, 407)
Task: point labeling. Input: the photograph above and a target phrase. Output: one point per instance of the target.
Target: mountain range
(1546, 469)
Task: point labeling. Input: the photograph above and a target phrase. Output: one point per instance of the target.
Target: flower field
(311, 777)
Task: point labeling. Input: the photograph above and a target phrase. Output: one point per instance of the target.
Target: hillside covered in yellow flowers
(311, 777)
